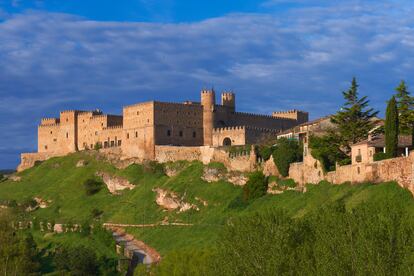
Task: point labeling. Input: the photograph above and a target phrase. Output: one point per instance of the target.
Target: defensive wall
(399, 169)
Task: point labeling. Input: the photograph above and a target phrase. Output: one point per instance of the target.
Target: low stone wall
(28, 160)
(399, 169)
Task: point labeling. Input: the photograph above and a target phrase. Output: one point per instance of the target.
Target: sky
(274, 54)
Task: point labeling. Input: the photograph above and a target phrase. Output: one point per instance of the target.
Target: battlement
(50, 121)
(207, 91)
(293, 114)
(50, 125)
(256, 115)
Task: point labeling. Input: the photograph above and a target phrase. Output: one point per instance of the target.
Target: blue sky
(275, 54)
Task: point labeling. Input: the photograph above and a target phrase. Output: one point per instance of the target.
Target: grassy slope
(59, 180)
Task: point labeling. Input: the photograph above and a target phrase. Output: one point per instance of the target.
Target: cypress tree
(355, 119)
(405, 105)
(391, 129)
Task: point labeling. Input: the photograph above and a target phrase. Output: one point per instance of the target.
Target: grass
(60, 181)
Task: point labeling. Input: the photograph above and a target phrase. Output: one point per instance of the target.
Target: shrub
(97, 146)
(78, 260)
(380, 156)
(286, 152)
(286, 183)
(96, 213)
(326, 149)
(2, 177)
(92, 186)
(154, 167)
(265, 152)
(256, 186)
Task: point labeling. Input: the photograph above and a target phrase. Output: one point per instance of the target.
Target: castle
(145, 125)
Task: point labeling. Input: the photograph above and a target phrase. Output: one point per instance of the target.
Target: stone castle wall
(399, 169)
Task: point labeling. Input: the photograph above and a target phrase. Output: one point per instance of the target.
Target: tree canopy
(355, 119)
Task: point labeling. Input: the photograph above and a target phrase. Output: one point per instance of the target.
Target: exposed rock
(205, 203)
(15, 178)
(81, 163)
(211, 175)
(56, 165)
(274, 189)
(171, 201)
(115, 183)
(41, 203)
(238, 179)
(173, 169)
(58, 228)
(270, 168)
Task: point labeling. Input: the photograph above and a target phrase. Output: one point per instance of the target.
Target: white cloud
(301, 59)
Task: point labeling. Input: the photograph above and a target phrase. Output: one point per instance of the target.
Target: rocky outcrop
(115, 183)
(214, 175)
(270, 168)
(171, 201)
(15, 178)
(41, 202)
(81, 164)
(237, 178)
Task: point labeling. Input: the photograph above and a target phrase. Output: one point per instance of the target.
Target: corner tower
(208, 101)
(228, 99)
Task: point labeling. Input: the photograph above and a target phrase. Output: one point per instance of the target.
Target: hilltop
(59, 183)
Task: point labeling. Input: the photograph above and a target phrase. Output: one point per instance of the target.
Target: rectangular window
(105, 144)
(67, 135)
(194, 134)
(136, 134)
(112, 143)
(181, 133)
(168, 132)
(119, 143)
(46, 147)
(127, 135)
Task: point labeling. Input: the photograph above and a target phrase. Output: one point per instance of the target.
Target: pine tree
(391, 129)
(355, 119)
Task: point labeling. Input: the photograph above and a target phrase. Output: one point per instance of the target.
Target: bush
(286, 183)
(154, 167)
(380, 156)
(92, 186)
(78, 260)
(265, 152)
(326, 149)
(2, 177)
(256, 186)
(97, 146)
(96, 213)
(286, 152)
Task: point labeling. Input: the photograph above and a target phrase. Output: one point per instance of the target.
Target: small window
(359, 151)
(67, 135)
(194, 134)
(101, 124)
(119, 143)
(91, 146)
(54, 140)
(96, 133)
(136, 134)
(168, 132)
(147, 120)
(181, 133)
(137, 112)
(46, 147)
(105, 144)
(67, 120)
(359, 170)
(51, 132)
(127, 135)
(112, 143)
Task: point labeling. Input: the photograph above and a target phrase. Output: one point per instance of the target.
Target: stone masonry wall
(399, 169)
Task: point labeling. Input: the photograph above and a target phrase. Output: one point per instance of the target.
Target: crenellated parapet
(49, 121)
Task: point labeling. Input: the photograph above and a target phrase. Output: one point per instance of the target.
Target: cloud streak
(301, 59)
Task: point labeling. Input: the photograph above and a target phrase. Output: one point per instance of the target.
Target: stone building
(145, 125)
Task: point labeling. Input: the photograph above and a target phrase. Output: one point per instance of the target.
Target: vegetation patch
(92, 186)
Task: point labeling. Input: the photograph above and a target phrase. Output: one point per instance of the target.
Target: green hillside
(59, 181)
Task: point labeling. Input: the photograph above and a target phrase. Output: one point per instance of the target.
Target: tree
(286, 151)
(326, 149)
(355, 119)
(391, 129)
(405, 105)
(256, 186)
